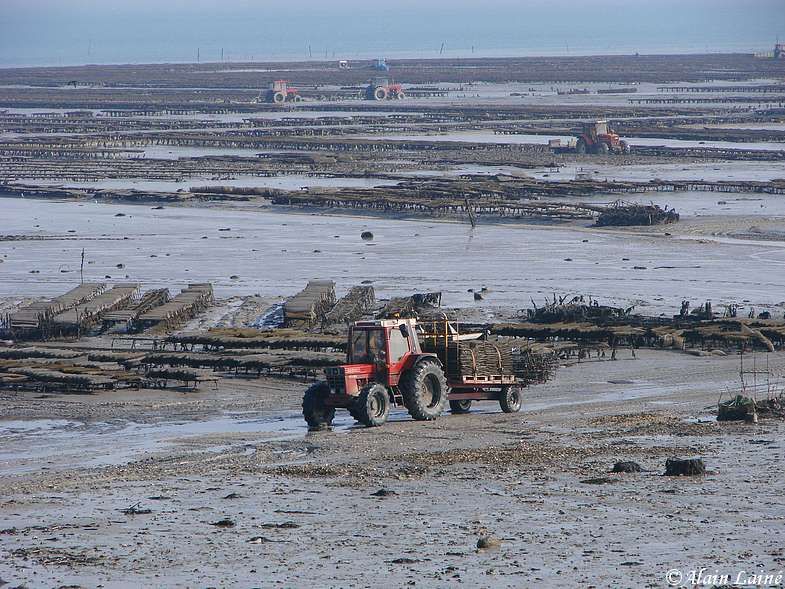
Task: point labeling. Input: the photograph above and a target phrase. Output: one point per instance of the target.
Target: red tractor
(386, 367)
(382, 89)
(599, 138)
(281, 92)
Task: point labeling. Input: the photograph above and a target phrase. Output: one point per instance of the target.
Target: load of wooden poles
(530, 364)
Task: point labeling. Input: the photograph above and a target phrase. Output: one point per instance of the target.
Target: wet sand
(312, 502)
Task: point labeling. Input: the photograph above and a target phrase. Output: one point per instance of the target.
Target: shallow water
(284, 182)
(698, 204)
(27, 446)
(716, 171)
(276, 253)
(523, 138)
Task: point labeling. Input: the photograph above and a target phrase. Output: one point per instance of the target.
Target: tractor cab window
(359, 346)
(399, 345)
(368, 345)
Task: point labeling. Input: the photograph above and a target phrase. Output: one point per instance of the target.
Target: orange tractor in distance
(387, 367)
(381, 89)
(599, 138)
(281, 92)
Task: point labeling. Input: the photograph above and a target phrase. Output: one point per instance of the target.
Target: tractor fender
(415, 359)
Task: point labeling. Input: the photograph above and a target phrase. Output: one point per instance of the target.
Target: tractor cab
(597, 130)
(378, 351)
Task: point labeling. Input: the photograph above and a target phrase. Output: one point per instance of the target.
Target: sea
(77, 32)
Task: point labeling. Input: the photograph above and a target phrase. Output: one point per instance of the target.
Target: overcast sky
(79, 31)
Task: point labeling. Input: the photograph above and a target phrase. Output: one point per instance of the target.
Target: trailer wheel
(580, 147)
(511, 400)
(372, 405)
(458, 407)
(424, 389)
(316, 413)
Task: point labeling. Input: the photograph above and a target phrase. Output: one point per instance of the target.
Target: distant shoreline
(401, 56)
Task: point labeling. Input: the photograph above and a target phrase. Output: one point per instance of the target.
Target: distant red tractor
(281, 92)
(386, 366)
(599, 138)
(382, 89)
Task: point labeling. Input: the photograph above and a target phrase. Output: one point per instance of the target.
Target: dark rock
(676, 467)
(488, 543)
(626, 466)
(383, 493)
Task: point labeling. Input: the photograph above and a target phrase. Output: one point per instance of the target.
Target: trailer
(422, 367)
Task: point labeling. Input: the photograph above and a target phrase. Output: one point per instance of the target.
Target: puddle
(34, 426)
(28, 446)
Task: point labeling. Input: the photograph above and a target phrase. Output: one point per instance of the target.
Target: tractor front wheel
(372, 405)
(424, 389)
(380, 93)
(602, 148)
(458, 407)
(317, 414)
(511, 400)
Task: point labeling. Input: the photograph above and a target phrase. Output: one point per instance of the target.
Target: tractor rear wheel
(511, 399)
(424, 389)
(580, 147)
(460, 406)
(317, 414)
(380, 93)
(279, 98)
(372, 406)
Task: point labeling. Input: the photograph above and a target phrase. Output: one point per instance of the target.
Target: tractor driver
(377, 350)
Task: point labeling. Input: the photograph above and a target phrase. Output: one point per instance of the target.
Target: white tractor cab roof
(386, 323)
(454, 334)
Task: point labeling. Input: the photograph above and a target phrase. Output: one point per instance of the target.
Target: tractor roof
(385, 323)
